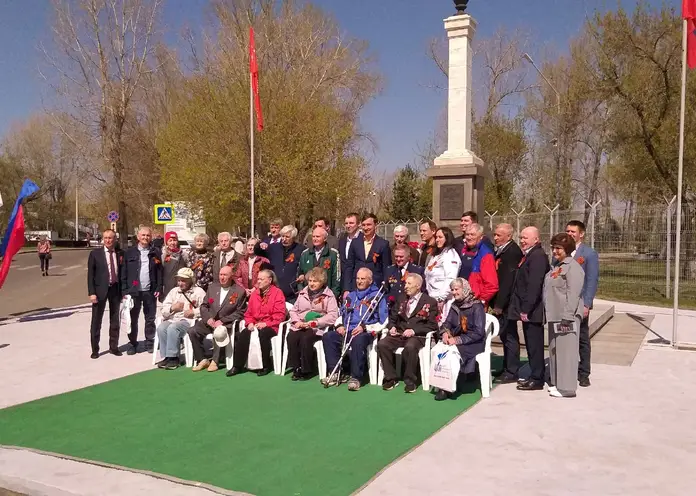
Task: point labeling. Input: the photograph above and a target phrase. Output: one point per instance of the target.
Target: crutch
(346, 346)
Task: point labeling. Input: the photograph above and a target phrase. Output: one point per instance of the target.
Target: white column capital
(460, 25)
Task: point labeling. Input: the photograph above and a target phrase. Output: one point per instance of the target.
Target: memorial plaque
(451, 201)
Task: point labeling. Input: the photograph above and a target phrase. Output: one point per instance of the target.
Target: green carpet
(265, 436)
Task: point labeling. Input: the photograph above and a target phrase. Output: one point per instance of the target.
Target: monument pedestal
(458, 175)
(457, 187)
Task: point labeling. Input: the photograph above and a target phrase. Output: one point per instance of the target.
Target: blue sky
(400, 119)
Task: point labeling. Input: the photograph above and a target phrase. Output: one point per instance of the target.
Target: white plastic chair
(229, 349)
(186, 343)
(372, 357)
(276, 344)
(423, 360)
(484, 359)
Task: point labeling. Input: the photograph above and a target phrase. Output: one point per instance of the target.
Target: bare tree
(100, 57)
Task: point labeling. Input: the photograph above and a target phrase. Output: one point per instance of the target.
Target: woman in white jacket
(441, 268)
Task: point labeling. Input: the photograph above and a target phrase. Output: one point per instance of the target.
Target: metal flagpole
(680, 173)
(251, 130)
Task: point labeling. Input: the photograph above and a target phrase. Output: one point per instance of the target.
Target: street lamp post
(558, 110)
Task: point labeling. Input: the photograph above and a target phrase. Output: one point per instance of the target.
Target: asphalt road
(26, 290)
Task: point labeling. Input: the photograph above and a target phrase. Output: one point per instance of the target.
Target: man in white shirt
(225, 256)
(412, 317)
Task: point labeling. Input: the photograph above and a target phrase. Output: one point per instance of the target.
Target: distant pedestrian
(45, 256)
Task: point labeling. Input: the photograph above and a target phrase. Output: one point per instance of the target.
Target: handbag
(49, 255)
(254, 360)
(124, 314)
(445, 362)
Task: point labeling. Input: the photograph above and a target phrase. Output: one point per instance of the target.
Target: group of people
(356, 289)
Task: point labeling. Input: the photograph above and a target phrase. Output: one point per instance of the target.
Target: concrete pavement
(26, 290)
(629, 433)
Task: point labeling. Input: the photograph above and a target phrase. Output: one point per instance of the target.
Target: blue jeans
(170, 334)
(333, 343)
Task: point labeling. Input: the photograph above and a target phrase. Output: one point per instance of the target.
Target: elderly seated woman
(265, 312)
(315, 309)
(200, 261)
(465, 327)
(182, 304)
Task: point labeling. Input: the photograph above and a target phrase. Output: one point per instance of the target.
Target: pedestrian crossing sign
(164, 214)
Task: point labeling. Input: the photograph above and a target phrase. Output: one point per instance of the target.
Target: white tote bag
(124, 314)
(445, 362)
(254, 361)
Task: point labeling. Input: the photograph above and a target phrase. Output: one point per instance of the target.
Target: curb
(54, 250)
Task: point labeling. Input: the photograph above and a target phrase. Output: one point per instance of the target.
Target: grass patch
(266, 436)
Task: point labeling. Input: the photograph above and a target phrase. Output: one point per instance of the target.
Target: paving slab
(629, 433)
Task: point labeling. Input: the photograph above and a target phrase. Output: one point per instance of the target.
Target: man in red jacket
(484, 277)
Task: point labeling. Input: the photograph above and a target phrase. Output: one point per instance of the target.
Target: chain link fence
(635, 245)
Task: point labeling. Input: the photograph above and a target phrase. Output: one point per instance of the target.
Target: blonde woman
(200, 261)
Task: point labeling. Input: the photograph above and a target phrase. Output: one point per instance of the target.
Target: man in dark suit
(410, 320)
(527, 305)
(225, 256)
(427, 232)
(224, 304)
(284, 258)
(141, 278)
(323, 223)
(396, 274)
(507, 257)
(589, 260)
(469, 217)
(103, 284)
(274, 235)
(351, 226)
(367, 250)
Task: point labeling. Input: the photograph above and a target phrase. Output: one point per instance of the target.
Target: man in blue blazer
(351, 224)
(589, 260)
(141, 278)
(284, 258)
(367, 250)
(396, 274)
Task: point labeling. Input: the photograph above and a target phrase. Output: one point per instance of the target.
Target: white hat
(185, 273)
(221, 336)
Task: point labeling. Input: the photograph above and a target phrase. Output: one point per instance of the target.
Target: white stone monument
(458, 175)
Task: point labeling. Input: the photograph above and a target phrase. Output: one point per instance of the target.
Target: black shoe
(410, 388)
(506, 378)
(233, 371)
(531, 385)
(389, 385)
(116, 352)
(172, 364)
(162, 364)
(306, 376)
(584, 382)
(263, 372)
(296, 375)
(149, 346)
(441, 395)
(94, 355)
(132, 350)
(497, 373)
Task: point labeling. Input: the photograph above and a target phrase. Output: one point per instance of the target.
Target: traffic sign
(113, 216)
(164, 214)
(113, 227)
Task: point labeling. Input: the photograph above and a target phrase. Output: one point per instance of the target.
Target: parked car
(185, 246)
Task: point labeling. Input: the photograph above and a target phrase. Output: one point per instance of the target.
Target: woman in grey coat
(564, 308)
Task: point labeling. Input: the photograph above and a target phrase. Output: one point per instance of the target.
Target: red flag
(689, 14)
(14, 243)
(254, 70)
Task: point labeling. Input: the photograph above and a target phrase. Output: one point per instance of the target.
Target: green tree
(404, 204)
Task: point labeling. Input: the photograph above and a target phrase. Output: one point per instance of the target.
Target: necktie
(223, 260)
(112, 268)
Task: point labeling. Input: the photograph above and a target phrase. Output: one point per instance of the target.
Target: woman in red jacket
(265, 312)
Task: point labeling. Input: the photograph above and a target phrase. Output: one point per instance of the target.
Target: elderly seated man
(355, 309)
(224, 304)
(412, 317)
(314, 311)
(182, 304)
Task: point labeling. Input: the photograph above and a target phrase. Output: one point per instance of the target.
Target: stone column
(458, 174)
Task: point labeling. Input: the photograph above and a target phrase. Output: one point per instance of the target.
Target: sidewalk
(629, 433)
